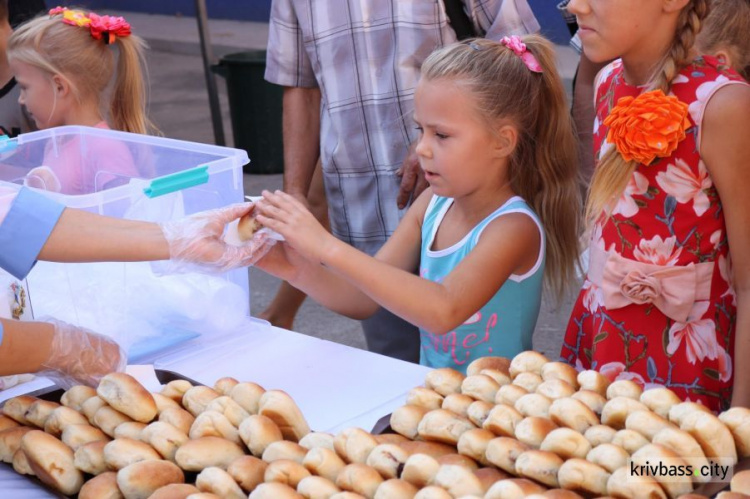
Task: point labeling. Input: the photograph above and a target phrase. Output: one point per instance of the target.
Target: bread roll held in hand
(282, 410)
(219, 482)
(359, 478)
(443, 426)
(539, 465)
(197, 455)
(89, 458)
(39, 411)
(52, 462)
(405, 420)
(444, 381)
(583, 476)
(737, 419)
(125, 394)
(248, 226)
(140, 480)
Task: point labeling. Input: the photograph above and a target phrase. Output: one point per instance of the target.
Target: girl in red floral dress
(666, 300)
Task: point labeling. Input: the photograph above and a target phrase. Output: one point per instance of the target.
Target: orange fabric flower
(648, 126)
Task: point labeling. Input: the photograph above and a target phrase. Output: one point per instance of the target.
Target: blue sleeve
(24, 231)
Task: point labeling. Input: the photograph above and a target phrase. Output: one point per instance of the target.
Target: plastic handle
(177, 182)
(7, 144)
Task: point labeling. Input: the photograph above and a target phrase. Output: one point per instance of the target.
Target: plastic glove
(80, 356)
(196, 242)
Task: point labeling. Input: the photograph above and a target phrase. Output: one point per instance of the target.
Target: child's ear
(506, 140)
(61, 85)
(724, 57)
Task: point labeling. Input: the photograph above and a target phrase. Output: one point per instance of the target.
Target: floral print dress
(657, 305)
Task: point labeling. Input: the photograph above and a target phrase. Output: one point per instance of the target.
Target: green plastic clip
(7, 144)
(177, 182)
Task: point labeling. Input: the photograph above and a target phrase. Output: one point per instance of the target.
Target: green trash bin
(255, 110)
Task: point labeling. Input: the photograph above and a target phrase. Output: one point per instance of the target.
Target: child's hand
(282, 261)
(289, 217)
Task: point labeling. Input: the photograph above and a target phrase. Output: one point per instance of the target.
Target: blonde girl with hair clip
(467, 263)
(726, 34)
(79, 68)
(667, 297)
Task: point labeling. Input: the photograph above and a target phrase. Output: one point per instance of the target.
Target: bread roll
(39, 411)
(405, 420)
(566, 443)
(528, 380)
(274, 490)
(532, 431)
(617, 410)
(444, 381)
(555, 389)
(556, 494)
(573, 414)
(630, 440)
(248, 395)
(501, 377)
(533, 404)
(455, 459)
(247, 471)
(741, 482)
(282, 410)
(203, 495)
(678, 411)
(21, 463)
(624, 388)
(562, 371)
(353, 445)
(61, 417)
(258, 432)
(286, 472)
(583, 476)
(10, 442)
(108, 419)
(394, 489)
(123, 452)
(224, 385)
(214, 424)
(164, 438)
(737, 419)
(217, 481)
(647, 423)
(432, 492)
(623, 484)
(458, 481)
(125, 394)
(317, 439)
(317, 487)
(141, 479)
(387, 459)
(655, 455)
(131, 429)
(89, 458)
(77, 435)
(515, 488)
(593, 381)
(290, 451)
(504, 451)
(230, 409)
(176, 389)
(502, 420)
(420, 470)
(90, 406)
(163, 403)
(600, 434)
(77, 395)
(685, 446)
(359, 478)
(197, 455)
(539, 465)
(103, 486)
(591, 399)
(458, 403)
(177, 417)
(488, 476)
(424, 397)
(197, 398)
(660, 400)
(713, 436)
(388, 438)
(443, 426)
(497, 363)
(480, 387)
(478, 412)
(52, 462)
(528, 361)
(248, 226)
(473, 444)
(175, 491)
(16, 408)
(6, 423)
(509, 394)
(608, 456)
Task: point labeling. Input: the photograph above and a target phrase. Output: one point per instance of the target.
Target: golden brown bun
(617, 410)
(532, 431)
(593, 381)
(591, 399)
(197, 398)
(457, 403)
(555, 389)
(124, 393)
(444, 381)
(164, 438)
(741, 482)
(388, 438)
(248, 226)
(108, 419)
(197, 455)
(473, 444)
(174, 491)
(660, 400)
(60, 418)
(573, 414)
(77, 435)
(556, 494)
(89, 458)
(353, 445)
(420, 470)
(533, 404)
(123, 452)
(177, 417)
(608, 456)
(624, 388)
(405, 420)
(443, 426)
(258, 432)
(21, 463)
(214, 424)
(39, 411)
(52, 462)
(176, 389)
(509, 394)
(203, 495)
(317, 487)
(274, 491)
(6, 423)
(247, 471)
(539, 465)
(515, 488)
(630, 440)
(285, 450)
(432, 492)
(16, 407)
(248, 395)
(283, 411)
(684, 445)
(502, 420)
(387, 459)
(217, 481)
(77, 395)
(678, 411)
(583, 476)
(286, 472)
(504, 451)
(90, 406)
(103, 486)
(501, 377)
(480, 387)
(141, 479)
(424, 397)
(624, 484)
(737, 420)
(562, 371)
(163, 403)
(713, 436)
(647, 423)
(224, 385)
(600, 434)
(458, 481)
(316, 439)
(566, 443)
(131, 429)
(395, 489)
(230, 409)
(10, 442)
(432, 449)
(359, 478)
(528, 361)
(458, 460)
(488, 476)
(478, 412)
(497, 363)
(528, 380)
(656, 455)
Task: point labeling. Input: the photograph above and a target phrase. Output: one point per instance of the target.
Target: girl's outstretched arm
(726, 135)
(388, 279)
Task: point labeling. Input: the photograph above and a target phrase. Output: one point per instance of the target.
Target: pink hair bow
(515, 44)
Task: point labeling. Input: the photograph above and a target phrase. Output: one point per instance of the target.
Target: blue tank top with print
(504, 325)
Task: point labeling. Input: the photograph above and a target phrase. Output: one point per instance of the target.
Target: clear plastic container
(135, 177)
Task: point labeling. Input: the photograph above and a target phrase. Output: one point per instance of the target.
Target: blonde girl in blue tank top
(467, 261)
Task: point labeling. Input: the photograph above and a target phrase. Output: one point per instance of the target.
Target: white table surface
(335, 386)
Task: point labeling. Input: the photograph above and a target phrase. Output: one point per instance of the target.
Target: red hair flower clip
(57, 10)
(108, 28)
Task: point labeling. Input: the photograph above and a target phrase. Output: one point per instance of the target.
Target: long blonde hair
(89, 65)
(612, 174)
(728, 26)
(543, 168)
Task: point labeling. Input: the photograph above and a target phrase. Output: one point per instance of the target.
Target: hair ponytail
(128, 103)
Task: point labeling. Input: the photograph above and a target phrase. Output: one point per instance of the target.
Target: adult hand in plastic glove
(80, 356)
(197, 240)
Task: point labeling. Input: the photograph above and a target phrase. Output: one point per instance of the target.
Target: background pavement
(179, 107)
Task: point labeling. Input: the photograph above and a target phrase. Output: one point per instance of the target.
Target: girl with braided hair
(666, 300)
